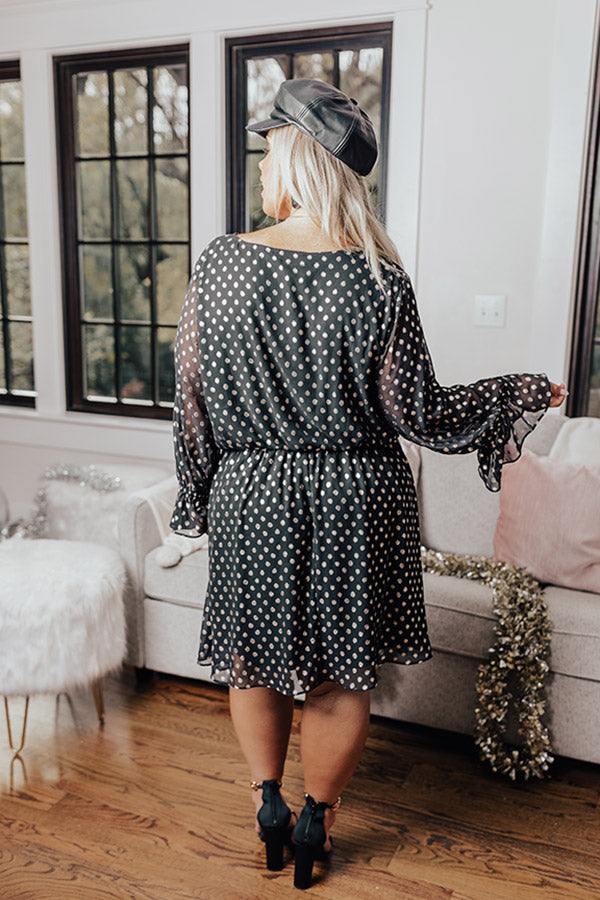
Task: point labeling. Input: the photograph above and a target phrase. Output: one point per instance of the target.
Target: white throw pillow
(578, 441)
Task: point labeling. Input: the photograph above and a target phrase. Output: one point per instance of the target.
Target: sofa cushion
(457, 513)
(575, 617)
(461, 620)
(549, 521)
(184, 584)
(77, 514)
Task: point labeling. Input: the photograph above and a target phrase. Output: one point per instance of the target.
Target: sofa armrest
(143, 524)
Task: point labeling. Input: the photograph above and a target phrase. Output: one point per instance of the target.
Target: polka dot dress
(295, 375)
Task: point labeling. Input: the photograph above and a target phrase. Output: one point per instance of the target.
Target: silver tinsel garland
(523, 635)
(86, 476)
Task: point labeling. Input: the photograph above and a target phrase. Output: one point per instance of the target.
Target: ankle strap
(322, 804)
(258, 785)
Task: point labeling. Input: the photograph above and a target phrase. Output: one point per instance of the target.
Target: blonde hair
(331, 193)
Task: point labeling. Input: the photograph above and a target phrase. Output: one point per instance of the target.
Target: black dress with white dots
(295, 376)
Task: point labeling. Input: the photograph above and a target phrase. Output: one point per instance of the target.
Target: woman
(300, 358)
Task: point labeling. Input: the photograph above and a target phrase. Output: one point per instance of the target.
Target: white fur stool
(62, 623)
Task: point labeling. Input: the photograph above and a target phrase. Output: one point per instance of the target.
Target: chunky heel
(310, 838)
(305, 857)
(274, 841)
(274, 819)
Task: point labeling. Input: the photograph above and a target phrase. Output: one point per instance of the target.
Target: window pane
(263, 77)
(15, 208)
(96, 282)
(165, 343)
(314, 65)
(361, 72)
(11, 120)
(21, 353)
(172, 198)
(132, 187)
(91, 113)
(94, 199)
(17, 280)
(170, 109)
(131, 110)
(135, 362)
(255, 216)
(16, 337)
(99, 346)
(131, 232)
(134, 282)
(171, 282)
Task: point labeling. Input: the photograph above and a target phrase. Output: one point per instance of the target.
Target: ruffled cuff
(190, 513)
(525, 401)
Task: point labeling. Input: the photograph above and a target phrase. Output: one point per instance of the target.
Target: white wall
(486, 141)
(485, 150)
(507, 86)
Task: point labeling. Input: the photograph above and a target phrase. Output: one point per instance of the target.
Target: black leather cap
(326, 114)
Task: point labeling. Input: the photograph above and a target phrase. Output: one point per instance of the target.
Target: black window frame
(587, 285)
(64, 67)
(10, 70)
(328, 38)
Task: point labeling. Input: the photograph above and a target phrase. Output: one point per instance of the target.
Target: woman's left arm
(196, 453)
(492, 415)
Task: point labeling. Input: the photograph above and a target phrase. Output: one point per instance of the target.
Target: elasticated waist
(361, 447)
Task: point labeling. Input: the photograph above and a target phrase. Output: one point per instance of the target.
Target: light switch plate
(489, 310)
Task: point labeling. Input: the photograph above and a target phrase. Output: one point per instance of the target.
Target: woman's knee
(326, 688)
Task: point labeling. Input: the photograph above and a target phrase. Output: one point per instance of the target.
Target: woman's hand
(559, 392)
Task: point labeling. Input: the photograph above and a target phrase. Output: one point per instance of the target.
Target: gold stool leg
(11, 771)
(10, 740)
(98, 698)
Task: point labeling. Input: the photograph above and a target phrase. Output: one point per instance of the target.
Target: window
(16, 328)
(584, 374)
(354, 58)
(123, 147)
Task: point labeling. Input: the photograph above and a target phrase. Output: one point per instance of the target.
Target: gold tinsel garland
(523, 635)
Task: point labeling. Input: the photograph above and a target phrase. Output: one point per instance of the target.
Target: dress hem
(369, 686)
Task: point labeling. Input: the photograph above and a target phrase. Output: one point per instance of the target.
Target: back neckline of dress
(291, 250)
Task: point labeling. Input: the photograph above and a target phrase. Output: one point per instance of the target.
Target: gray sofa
(457, 514)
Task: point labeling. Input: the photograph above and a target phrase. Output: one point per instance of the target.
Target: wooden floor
(155, 805)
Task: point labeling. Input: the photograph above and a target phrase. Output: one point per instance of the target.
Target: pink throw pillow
(549, 520)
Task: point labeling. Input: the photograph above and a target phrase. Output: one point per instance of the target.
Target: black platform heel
(310, 838)
(274, 818)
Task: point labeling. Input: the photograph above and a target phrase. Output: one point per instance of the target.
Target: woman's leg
(333, 732)
(262, 720)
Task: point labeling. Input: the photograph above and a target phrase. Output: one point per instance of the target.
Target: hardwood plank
(485, 865)
(564, 816)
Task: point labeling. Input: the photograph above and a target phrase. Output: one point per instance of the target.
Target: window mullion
(336, 67)
(114, 227)
(152, 236)
(3, 294)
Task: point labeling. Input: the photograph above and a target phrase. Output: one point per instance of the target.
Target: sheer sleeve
(492, 416)
(196, 453)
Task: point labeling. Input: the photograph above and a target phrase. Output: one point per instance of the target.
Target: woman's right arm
(196, 453)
